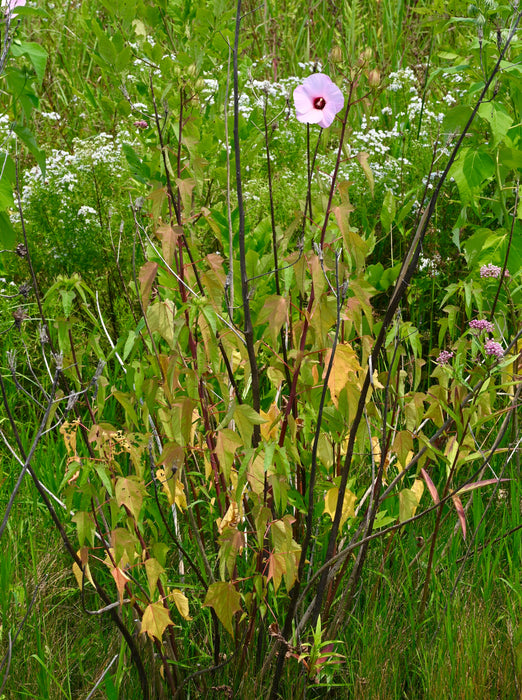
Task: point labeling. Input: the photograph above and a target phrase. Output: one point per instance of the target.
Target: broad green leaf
(86, 527)
(7, 232)
(225, 600)
(478, 165)
(499, 121)
(36, 54)
(245, 418)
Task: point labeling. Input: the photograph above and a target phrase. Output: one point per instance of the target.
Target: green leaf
(246, 418)
(36, 54)
(388, 211)
(478, 165)
(499, 121)
(85, 526)
(225, 600)
(29, 140)
(7, 232)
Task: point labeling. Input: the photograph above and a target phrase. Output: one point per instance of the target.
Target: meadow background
(260, 381)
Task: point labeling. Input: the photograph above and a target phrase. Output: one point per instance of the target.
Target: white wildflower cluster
(67, 208)
(403, 79)
(51, 116)
(5, 126)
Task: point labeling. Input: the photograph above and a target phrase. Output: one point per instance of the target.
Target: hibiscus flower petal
(302, 100)
(312, 116)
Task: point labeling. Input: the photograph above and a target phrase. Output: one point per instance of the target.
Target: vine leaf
(155, 620)
(225, 600)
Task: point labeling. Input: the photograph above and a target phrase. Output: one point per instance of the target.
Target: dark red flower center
(319, 103)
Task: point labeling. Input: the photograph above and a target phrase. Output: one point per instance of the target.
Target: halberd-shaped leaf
(130, 492)
(155, 620)
(225, 600)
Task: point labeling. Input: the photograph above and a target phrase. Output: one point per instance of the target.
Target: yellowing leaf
(344, 369)
(256, 473)
(68, 430)
(461, 513)
(125, 545)
(160, 318)
(362, 157)
(226, 445)
(275, 312)
(349, 501)
(269, 428)
(231, 543)
(402, 444)
(154, 570)
(225, 600)
(409, 500)
(155, 620)
(285, 559)
(78, 573)
(121, 579)
(181, 603)
(173, 487)
(230, 519)
(147, 276)
(129, 493)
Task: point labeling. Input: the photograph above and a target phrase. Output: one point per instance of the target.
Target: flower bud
(374, 78)
(336, 54)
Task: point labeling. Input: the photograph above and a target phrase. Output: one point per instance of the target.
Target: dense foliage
(263, 376)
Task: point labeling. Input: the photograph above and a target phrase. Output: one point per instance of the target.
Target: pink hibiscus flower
(318, 100)
(10, 6)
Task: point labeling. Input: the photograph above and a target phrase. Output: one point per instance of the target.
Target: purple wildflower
(493, 348)
(141, 124)
(318, 100)
(480, 324)
(444, 357)
(491, 270)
